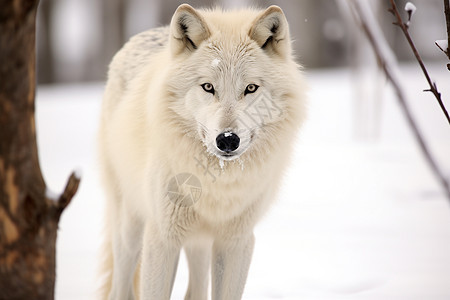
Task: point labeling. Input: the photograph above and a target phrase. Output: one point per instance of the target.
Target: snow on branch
(364, 16)
(410, 9)
(433, 87)
(442, 45)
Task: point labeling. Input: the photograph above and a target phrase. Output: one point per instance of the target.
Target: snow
(354, 219)
(241, 163)
(215, 62)
(78, 172)
(442, 44)
(49, 194)
(410, 9)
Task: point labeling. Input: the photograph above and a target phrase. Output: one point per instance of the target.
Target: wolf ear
(270, 30)
(187, 29)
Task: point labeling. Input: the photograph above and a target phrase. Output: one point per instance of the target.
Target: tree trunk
(28, 214)
(45, 59)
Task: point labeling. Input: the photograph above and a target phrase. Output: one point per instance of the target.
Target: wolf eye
(251, 88)
(208, 87)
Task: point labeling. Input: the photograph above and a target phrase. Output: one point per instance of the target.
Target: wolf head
(233, 81)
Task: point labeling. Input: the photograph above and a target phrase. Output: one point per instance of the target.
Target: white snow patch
(410, 8)
(78, 172)
(241, 163)
(49, 194)
(442, 44)
(215, 62)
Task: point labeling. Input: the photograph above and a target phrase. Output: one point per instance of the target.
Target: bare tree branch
(433, 87)
(387, 61)
(447, 21)
(69, 191)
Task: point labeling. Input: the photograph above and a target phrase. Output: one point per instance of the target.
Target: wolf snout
(227, 142)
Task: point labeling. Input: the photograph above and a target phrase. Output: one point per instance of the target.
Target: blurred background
(359, 216)
(77, 38)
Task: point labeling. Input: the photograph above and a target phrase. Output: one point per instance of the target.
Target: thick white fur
(157, 121)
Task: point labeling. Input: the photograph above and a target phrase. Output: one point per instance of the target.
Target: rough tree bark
(45, 55)
(28, 214)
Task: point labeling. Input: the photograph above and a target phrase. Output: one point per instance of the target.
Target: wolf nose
(227, 141)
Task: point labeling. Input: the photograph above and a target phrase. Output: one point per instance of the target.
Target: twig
(69, 191)
(388, 63)
(433, 87)
(447, 21)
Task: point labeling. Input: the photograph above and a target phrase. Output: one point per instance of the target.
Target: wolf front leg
(126, 242)
(231, 261)
(159, 264)
(124, 266)
(198, 255)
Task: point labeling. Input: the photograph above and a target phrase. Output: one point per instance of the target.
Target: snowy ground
(354, 220)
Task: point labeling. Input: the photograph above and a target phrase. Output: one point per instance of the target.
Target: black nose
(227, 141)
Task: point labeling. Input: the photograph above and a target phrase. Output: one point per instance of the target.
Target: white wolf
(198, 122)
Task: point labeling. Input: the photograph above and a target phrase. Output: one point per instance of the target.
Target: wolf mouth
(227, 156)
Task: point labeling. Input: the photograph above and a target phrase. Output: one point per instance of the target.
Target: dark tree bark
(45, 61)
(28, 215)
